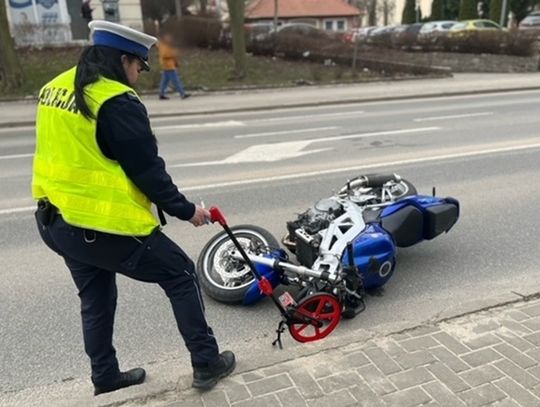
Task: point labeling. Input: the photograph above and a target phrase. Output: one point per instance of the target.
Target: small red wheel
(323, 310)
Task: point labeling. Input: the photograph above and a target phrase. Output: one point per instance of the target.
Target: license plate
(286, 300)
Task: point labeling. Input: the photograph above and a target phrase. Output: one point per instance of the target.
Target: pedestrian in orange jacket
(168, 60)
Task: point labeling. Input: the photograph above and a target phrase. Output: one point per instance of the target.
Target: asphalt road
(262, 168)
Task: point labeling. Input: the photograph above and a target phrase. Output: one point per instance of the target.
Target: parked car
(364, 32)
(358, 34)
(299, 28)
(531, 22)
(432, 32)
(404, 36)
(436, 27)
(258, 31)
(381, 34)
(475, 25)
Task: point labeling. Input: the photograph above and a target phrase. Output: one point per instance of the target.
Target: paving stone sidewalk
(489, 358)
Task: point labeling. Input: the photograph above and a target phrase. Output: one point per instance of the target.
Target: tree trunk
(437, 10)
(178, 8)
(467, 10)
(495, 7)
(236, 15)
(409, 14)
(372, 12)
(11, 76)
(276, 14)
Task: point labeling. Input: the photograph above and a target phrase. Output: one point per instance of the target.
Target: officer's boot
(124, 379)
(207, 377)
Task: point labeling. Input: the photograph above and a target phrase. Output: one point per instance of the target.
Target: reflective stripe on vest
(90, 190)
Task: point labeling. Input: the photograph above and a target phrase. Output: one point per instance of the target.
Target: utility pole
(503, 12)
(356, 40)
(178, 7)
(355, 53)
(276, 14)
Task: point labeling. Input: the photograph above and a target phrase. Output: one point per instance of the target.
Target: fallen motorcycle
(344, 246)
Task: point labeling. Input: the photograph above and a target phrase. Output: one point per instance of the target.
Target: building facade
(43, 23)
(329, 15)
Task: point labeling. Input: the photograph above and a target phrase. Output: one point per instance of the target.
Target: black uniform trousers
(94, 258)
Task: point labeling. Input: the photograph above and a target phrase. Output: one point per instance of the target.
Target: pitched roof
(300, 8)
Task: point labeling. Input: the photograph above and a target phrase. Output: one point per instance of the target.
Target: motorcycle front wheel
(224, 278)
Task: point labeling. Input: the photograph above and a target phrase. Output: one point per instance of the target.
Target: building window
(334, 25)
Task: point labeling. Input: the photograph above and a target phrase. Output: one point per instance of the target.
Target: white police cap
(121, 37)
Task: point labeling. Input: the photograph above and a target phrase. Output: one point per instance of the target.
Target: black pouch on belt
(45, 212)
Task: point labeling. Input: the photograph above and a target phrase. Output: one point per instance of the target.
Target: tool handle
(217, 216)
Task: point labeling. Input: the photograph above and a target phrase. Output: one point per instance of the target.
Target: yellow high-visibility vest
(90, 190)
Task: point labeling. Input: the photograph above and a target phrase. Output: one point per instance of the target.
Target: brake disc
(227, 267)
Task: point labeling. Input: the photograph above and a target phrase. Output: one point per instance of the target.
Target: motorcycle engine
(304, 238)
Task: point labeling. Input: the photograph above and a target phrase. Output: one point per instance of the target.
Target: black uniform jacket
(124, 135)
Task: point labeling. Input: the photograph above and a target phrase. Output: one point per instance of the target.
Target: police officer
(96, 172)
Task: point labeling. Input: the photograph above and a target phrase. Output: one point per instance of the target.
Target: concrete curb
(203, 91)
(15, 125)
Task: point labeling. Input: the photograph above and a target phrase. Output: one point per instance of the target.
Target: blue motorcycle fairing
(374, 255)
(253, 293)
(419, 217)
(420, 201)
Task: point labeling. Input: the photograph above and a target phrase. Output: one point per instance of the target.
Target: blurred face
(167, 38)
(132, 68)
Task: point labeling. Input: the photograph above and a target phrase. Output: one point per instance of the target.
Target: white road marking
(291, 149)
(308, 174)
(376, 134)
(363, 167)
(291, 109)
(16, 210)
(304, 117)
(16, 129)
(12, 156)
(271, 152)
(456, 116)
(261, 153)
(228, 123)
(277, 133)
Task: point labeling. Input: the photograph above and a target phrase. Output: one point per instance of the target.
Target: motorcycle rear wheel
(401, 189)
(223, 278)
